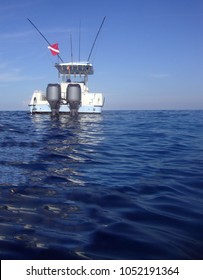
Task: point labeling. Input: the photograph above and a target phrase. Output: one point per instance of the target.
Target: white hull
(64, 109)
(90, 102)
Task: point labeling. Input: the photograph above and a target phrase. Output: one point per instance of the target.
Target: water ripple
(121, 185)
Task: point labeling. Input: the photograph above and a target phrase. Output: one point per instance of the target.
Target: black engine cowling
(73, 98)
(53, 95)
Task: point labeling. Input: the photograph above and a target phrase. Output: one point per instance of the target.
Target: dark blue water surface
(120, 185)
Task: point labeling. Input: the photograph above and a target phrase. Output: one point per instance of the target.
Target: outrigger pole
(43, 36)
(96, 38)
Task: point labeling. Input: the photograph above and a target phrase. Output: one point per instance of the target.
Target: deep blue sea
(120, 185)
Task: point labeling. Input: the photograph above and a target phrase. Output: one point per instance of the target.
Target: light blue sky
(149, 54)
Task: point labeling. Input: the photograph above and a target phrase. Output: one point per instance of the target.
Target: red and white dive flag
(54, 49)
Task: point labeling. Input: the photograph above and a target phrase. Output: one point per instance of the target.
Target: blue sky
(149, 54)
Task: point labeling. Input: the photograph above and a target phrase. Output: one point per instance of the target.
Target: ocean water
(120, 185)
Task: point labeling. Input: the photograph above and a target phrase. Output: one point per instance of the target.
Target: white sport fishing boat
(71, 95)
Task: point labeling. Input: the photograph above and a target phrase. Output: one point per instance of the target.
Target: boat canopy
(75, 68)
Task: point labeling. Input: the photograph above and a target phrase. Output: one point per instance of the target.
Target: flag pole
(43, 36)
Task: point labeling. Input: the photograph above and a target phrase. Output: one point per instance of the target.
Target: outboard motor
(53, 95)
(73, 97)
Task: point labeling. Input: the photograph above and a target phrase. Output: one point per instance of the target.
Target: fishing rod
(43, 36)
(96, 38)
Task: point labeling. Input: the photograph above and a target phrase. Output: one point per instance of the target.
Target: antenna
(79, 38)
(71, 47)
(43, 36)
(96, 38)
